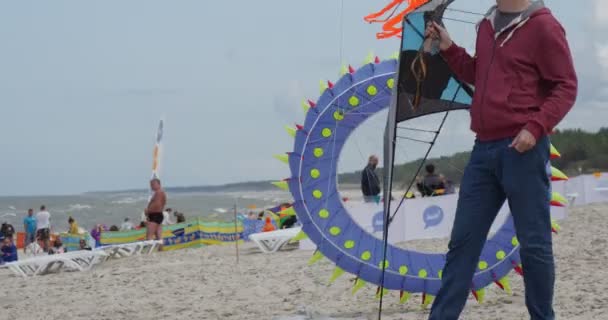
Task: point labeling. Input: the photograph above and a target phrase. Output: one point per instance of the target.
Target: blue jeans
(496, 173)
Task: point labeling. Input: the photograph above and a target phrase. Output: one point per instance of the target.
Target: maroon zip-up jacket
(523, 75)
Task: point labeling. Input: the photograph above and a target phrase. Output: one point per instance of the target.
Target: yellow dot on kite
(318, 152)
(403, 270)
(422, 273)
(390, 83)
(353, 101)
(315, 173)
(386, 264)
(366, 255)
(515, 242)
(501, 255)
(335, 231)
(349, 244)
(339, 115)
(372, 90)
(317, 194)
(326, 133)
(482, 265)
(440, 274)
(323, 213)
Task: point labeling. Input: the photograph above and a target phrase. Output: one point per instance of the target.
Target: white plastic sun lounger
(273, 241)
(129, 249)
(38, 265)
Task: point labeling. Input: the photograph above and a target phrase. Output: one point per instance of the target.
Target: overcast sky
(83, 84)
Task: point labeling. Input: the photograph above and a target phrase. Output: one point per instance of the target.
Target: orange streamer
(392, 25)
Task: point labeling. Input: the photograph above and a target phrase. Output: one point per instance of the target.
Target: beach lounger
(273, 241)
(130, 249)
(38, 265)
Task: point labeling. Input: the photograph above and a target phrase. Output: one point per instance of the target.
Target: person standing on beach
(370, 184)
(43, 227)
(525, 84)
(154, 211)
(29, 226)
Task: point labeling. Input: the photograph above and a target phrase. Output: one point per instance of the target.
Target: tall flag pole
(157, 151)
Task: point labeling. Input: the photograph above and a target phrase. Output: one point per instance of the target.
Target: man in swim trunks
(154, 211)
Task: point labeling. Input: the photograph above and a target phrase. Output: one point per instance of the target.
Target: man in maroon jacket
(525, 84)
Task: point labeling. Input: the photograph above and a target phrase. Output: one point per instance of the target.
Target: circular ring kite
(341, 108)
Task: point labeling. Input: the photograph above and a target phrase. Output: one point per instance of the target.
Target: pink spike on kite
(312, 103)
(299, 127)
(377, 60)
(330, 84)
(351, 70)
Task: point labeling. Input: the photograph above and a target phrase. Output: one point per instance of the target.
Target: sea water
(111, 208)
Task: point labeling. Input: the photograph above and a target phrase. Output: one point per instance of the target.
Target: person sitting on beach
(126, 226)
(167, 217)
(268, 226)
(114, 228)
(142, 225)
(73, 226)
(7, 230)
(432, 184)
(35, 248)
(155, 210)
(57, 247)
(180, 218)
(9, 250)
(83, 245)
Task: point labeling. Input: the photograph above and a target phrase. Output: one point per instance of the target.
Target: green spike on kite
(480, 295)
(427, 299)
(305, 106)
(300, 236)
(395, 55)
(558, 198)
(282, 157)
(343, 70)
(358, 285)
(283, 185)
(322, 86)
(291, 131)
(381, 293)
(557, 174)
(315, 257)
(369, 59)
(404, 296)
(554, 153)
(336, 274)
(505, 285)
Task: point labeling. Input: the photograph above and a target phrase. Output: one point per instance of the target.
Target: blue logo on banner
(432, 216)
(378, 221)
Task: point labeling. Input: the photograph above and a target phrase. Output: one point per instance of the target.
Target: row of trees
(582, 152)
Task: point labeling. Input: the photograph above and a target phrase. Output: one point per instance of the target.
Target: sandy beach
(205, 283)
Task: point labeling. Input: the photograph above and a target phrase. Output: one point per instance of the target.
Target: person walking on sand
(525, 84)
(29, 226)
(43, 227)
(154, 211)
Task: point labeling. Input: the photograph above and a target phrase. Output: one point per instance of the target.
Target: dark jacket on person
(9, 253)
(370, 184)
(523, 75)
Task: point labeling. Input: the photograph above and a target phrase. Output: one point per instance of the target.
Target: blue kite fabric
(341, 108)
